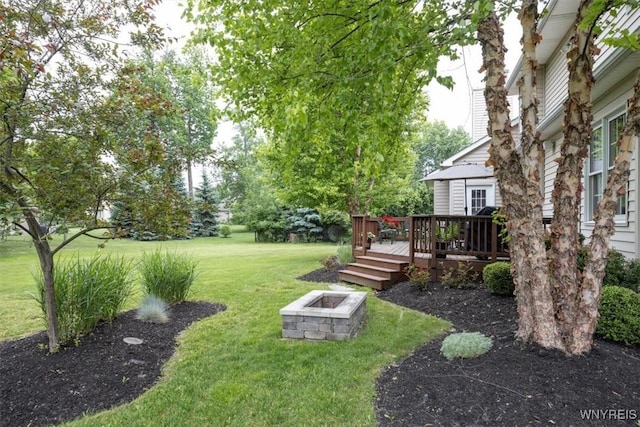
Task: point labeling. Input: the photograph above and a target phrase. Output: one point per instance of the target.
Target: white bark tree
(557, 303)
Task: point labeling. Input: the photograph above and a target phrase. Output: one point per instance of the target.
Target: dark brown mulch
(511, 385)
(102, 371)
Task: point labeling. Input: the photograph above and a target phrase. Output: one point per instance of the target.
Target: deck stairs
(376, 273)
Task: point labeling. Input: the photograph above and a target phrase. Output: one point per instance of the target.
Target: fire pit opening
(327, 301)
(325, 315)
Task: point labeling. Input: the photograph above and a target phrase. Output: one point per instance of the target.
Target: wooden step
(382, 262)
(363, 279)
(373, 270)
(376, 273)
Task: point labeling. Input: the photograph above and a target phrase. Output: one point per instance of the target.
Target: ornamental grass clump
(87, 292)
(167, 276)
(153, 309)
(344, 254)
(465, 345)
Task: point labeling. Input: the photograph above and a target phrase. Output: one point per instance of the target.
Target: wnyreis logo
(609, 414)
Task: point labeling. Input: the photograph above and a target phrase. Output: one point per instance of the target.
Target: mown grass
(234, 369)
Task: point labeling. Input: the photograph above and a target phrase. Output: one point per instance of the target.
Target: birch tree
(557, 303)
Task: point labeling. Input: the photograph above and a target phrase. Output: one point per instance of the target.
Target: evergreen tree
(205, 213)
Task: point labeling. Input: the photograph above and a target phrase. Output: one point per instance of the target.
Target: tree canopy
(60, 69)
(334, 86)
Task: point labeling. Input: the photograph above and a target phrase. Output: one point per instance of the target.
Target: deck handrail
(469, 235)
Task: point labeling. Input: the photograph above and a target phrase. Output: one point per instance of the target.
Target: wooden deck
(473, 240)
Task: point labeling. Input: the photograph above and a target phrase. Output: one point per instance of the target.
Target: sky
(451, 106)
(454, 106)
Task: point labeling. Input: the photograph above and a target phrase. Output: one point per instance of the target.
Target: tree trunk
(567, 191)
(45, 255)
(557, 304)
(189, 179)
(518, 180)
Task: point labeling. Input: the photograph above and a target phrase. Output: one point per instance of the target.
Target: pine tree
(205, 213)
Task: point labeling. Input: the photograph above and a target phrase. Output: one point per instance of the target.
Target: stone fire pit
(325, 315)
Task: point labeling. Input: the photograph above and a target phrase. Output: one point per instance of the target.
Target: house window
(595, 169)
(603, 151)
(479, 196)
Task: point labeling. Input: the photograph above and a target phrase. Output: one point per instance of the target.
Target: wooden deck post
(494, 241)
(365, 228)
(412, 240)
(433, 224)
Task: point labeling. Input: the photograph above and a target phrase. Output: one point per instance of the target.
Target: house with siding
(614, 70)
(468, 196)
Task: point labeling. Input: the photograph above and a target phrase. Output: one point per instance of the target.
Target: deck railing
(439, 235)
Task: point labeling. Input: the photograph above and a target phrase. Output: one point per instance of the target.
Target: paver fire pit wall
(325, 315)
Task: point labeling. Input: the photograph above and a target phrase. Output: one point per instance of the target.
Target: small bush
(168, 276)
(344, 254)
(632, 275)
(225, 231)
(619, 315)
(418, 277)
(465, 345)
(87, 292)
(462, 277)
(153, 309)
(497, 277)
(614, 269)
(330, 263)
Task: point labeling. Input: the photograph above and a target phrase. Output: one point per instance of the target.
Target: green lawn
(234, 368)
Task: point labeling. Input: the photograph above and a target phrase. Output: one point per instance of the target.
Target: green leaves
(337, 86)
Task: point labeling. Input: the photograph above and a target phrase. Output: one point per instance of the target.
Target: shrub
(418, 277)
(330, 263)
(632, 275)
(225, 231)
(465, 345)
(615, 268)
(497, 277)
(305, 223)
(583, 257)
(619, 315)
(168, 276)
(153, 309)
(344, 254)
(462, 277)
(336, 224)
(87, 292)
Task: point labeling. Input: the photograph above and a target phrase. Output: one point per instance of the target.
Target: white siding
(552, 151)
(540, 91)
(441, 197)
(627, 19)
(479, 115)
(555, 80)
(625, 239)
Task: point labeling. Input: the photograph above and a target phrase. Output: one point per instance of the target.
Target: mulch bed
(100, 372)
(511, 385)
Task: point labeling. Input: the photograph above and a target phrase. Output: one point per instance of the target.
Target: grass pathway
(234, 368)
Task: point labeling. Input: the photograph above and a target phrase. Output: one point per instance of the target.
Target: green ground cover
(234, 368)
